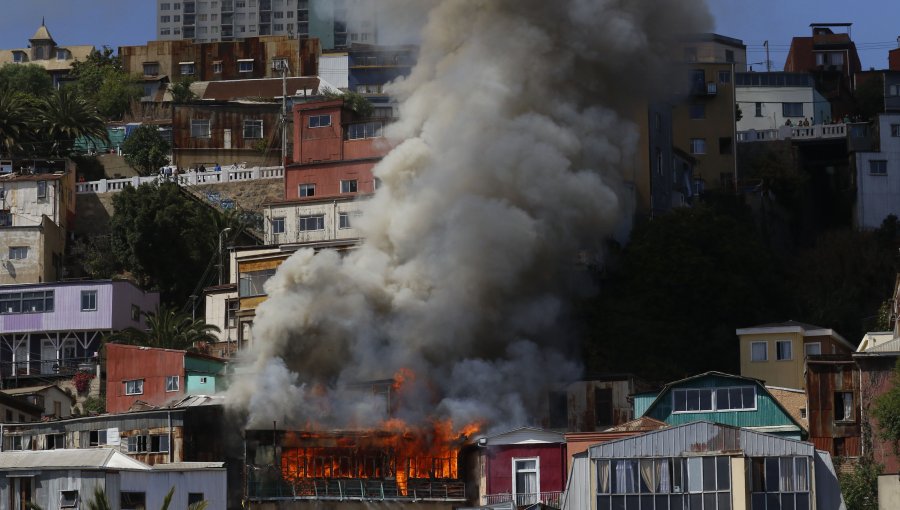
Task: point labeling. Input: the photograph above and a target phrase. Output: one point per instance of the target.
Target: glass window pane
(693, 400)
(801, 478)
(603, 503)
(662, 503)
(696, 501)
(618, 503)
(631, 502)
(709, 473)
(735, 396)
(709, 501)
(663, 473)
(646, 502)
(802, 501)
(695, 479)
(677, 484)
(676, 502)
(771, 475)
(773, 501)
(758, 501)
(787, 501)
(723, 474)
(722, 399)
(705, 400)
(724, 500)
(647, 476)
(786, 480)
(680, 400)
(749, 397)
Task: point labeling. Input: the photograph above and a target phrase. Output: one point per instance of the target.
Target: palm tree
(168, 328)
(14, 113)
(99, 501)
(65, 117)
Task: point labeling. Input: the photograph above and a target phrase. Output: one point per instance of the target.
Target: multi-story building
(776, 353)
(878, 174)
(42, 50)
(832, 59)
(832, 389)
(37, 206)
(155, 376)
(49, 331)
(704, 124)
(336, 23)
(771, 100)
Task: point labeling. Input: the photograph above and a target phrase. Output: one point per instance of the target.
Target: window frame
(778, 344)
(134, 387)
(806, 347)
(318, 121)
(698, 146)
(255, 127)
(303, 222)
(875, 166)
(42, 189)
(537, 474)
(843, 407)
(201, 128)
(173, 387)
(68, 502)
(133, 504)
(245, 65)
(349, 186)
(91, 296)
(306, 189)
(787, 110)
(17, 253)
(278, 224)
(765, 357)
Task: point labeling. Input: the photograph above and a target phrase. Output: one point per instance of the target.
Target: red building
(152, 376)
(833, 60)
(334, 152)
(526, 466)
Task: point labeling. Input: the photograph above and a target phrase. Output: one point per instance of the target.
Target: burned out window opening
(151, 443)
(132, 501)
(97, 437)
(55, 441)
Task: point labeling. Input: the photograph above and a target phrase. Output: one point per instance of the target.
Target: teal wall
(642, 401)
(767, 413)
(195, 387)
(197, 368)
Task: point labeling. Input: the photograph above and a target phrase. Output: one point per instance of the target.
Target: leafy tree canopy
(181, 90)
(31, 80)
(887, 412)
(101, 80)
(146, 150)
(168, 328)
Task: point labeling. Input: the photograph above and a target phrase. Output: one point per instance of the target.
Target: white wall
(877, 196)
(292, 212)
(815, 107)
(156, 484)
(215, 314)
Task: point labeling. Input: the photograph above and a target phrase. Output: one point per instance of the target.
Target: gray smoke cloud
(515, 130)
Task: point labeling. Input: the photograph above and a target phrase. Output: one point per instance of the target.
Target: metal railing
(47, 368)
(551, 498)
(190, 178)
(814, 132)
(356, 489)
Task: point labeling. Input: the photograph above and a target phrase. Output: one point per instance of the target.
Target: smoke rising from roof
(513, 137)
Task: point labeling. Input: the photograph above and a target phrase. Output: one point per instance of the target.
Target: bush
(82, 381)
(94, 405)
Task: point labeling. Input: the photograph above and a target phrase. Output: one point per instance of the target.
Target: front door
(49, 363)
(227, 138)
(20, 493)
(20, 358)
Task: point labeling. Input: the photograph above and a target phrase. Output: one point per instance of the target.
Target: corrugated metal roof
(188, 466)
(700, 437)
(889, 346)
(264, 87)
(526, 435)
(93, 458)
(642, 424)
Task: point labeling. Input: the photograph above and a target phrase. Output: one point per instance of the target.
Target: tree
(686, 281)
(14, 128)
(181, 90)
(64, 117)
(353, 101)
(887, 412)
(146, 150)
(870, 97)
(30, 80)
(163, 238)
(101, 80)
(167, 328)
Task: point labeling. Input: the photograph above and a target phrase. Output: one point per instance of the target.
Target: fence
(191, 178)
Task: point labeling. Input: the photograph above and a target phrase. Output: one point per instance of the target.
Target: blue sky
(875, 28)
(129, 22)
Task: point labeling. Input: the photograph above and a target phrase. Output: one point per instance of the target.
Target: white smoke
(515, 129)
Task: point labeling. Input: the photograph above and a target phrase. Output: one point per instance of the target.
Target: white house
(769, 100)
(878, 176)
(301, 221)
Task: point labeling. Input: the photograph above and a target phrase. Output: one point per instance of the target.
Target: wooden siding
(825, 378)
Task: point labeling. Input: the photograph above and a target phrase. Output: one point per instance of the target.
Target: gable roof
(34, 390)
(41, 34)
(884, 348)
(525, 435)
(87, 458)
(642, 424)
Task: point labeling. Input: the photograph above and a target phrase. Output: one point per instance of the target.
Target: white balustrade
(190, 178)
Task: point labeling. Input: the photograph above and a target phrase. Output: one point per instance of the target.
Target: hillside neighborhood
(281, 258)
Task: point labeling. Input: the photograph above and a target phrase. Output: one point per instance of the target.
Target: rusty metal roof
(264, 87)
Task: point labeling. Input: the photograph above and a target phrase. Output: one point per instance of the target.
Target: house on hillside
(37, 208)
(719, 398)
(526, 466)
(43, 51)
(50, 331)
(703, 465)
(148, 376)
(55, 402)
(833, 396)
(578, 442)
(17, 410)
(776, 353)
(62, 479)
(593, 404)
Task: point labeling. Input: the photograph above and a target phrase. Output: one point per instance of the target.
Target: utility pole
(281, 64)
(768, 62)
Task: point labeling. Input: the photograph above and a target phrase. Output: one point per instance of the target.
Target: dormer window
(62, 54)
(18, 56)
(38, 52)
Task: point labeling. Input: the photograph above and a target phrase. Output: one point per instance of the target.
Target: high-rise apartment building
(336, 23)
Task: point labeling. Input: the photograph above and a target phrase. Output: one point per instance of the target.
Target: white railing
(190, 178)
(814, 132)
(521, 499)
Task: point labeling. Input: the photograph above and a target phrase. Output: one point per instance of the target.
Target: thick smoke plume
(516, 127)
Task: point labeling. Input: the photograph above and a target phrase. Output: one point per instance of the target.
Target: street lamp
(221, 264)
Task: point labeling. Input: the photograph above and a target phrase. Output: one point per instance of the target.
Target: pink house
(525, 466)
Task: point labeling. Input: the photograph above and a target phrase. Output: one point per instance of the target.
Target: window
(62, 54)
(698, 146)
(245, 66)
(132, 501)
(135, 387)
(200, 128)
(895, 130)
(526, 481)
(663, 483)
(307, 190)
(195, 498)
(165, 19)
(171, 383)
(251, 282)
(278, 225)
(308, 223)
(217, 68)
(317, 121)
(792, 109)
(812, 349)
(55, 441)
(176, 18)
(18, 252)
(164, 7)
(68, 499)
(364, 130)
(348, 186)
(186, 68)
(698, 111)
(724, 76)
(40, 301)
(878, 167)
(153, 443)
(42, 189)
(231, 309)
(88, 300)
(97, 437)
(725, 145)
(692, 400)
(759, 351)
(778, 483)
(151, 68)
(135, 313)
(253, 129)
(843, 406)
(759, 109)
(5, 218)
(203, 380)
(165, 31)
(783, 350)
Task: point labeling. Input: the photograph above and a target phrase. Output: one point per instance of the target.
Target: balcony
(551, 498)
(359, 489)
(52, 368)
(799, 133)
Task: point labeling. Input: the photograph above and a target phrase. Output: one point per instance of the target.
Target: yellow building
(776, 353)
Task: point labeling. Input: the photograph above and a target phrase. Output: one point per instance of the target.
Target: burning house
(401, 465)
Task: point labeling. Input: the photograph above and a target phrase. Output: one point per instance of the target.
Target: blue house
(719, 398)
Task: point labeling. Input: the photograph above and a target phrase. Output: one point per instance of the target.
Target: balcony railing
(814, 132)
(551, 498)
(47, 368)
(190, 178)
(357, 489)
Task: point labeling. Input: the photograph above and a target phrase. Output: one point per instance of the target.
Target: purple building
(49, 329)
